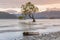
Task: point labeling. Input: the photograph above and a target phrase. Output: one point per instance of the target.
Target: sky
(16, 4)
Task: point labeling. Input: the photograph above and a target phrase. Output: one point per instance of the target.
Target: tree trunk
(32, 17)
(34, 20)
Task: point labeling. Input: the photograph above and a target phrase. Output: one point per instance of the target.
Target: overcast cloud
(18, 3)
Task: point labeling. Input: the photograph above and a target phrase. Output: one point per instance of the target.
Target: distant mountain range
(47, 15)
(6, 15)
(11, 14)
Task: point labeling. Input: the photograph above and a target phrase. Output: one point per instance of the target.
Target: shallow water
(11, 29)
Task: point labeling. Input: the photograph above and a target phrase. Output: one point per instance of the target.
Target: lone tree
(28, 9)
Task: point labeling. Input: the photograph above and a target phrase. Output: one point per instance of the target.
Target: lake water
(11, 29)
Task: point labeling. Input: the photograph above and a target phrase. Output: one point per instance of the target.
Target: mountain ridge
(6, 15)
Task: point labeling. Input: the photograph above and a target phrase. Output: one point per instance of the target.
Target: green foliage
(21, 17)
(29, 8)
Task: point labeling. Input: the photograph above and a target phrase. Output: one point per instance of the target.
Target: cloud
(9, 3)
(40, 2)
(18, 3)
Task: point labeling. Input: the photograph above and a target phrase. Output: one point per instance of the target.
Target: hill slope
(46, 15)
(6, 15)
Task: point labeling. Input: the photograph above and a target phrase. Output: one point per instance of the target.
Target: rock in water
(30, 33)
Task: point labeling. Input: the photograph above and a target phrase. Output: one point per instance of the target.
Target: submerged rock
(30, 33)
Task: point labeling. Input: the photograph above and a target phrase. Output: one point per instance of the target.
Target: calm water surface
(11, 29)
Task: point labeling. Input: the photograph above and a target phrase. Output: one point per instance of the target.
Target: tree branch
(31, 16)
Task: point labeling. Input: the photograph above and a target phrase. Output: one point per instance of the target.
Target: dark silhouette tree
(28, 9)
